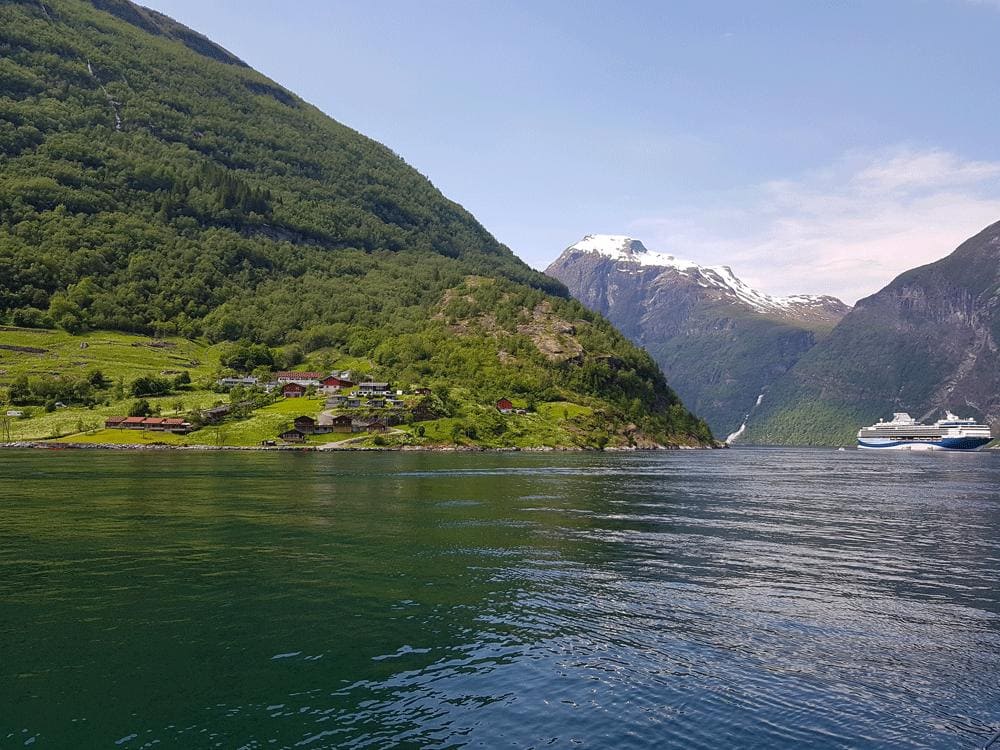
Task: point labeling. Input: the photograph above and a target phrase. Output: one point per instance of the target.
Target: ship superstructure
(905, 433)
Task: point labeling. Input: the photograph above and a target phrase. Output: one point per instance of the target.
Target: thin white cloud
(847, 230)
(930, 169)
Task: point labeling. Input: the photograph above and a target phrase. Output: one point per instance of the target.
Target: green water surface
(780, 599)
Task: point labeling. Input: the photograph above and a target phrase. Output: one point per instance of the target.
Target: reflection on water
(765, 598)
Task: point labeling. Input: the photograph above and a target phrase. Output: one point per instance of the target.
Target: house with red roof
(176, 425)
(333, 384)
(158, 424)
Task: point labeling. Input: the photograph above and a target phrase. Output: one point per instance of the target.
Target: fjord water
(743, 598)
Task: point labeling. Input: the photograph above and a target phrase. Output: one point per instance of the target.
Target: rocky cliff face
(720, 342)
(924, 344)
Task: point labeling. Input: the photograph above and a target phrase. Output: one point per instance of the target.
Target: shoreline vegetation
(408, 448)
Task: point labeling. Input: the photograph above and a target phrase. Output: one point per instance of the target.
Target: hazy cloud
(845, 230)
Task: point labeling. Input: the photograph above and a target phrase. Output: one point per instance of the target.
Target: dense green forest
(150, 182)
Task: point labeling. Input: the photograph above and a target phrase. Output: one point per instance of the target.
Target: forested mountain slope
(152, 182)
(925, 344)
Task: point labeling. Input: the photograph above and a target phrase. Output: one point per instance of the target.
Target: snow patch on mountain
(629, 250)
(620, 247)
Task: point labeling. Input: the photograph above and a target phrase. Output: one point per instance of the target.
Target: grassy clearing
(125, 437)
(41, 425)
(563, 410)
(117, 355)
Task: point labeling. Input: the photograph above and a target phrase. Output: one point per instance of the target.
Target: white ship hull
(942, 444)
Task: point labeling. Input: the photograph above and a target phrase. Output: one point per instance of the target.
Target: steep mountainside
(720, 342)
(152, 182)
(924, 344)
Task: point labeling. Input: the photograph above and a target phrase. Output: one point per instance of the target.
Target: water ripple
(772, 598)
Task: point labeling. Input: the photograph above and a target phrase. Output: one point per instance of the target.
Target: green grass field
(117, 355)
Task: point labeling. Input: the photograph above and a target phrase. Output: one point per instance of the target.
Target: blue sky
(814, 146)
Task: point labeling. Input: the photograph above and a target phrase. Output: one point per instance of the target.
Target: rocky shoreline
(46, 445)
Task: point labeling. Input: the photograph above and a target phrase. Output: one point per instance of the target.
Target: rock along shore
(47, 445)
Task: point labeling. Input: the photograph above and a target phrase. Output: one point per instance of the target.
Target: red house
(293, 390)
(331, 382)
(176, 425)
(114, 422)
(505, 406)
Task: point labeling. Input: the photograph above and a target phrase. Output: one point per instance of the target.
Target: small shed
(216, 413)
(341, 423)
(505, 406)
(293, 436)
(305, 424)
(369, 425)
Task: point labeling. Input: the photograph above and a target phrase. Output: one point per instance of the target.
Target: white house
(230, 382)
(302, 378)
(374, 389)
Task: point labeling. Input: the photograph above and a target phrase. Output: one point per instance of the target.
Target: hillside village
(119, 390)
(366, 407)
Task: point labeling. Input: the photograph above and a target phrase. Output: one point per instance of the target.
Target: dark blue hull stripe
(948, 444)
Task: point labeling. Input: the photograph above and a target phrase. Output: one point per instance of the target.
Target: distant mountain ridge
(822, 308)
(927, 343)
(720, 341)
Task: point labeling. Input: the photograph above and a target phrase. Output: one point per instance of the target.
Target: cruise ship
(904, 433)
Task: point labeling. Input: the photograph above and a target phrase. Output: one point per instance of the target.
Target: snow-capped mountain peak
(631, 251)
(621, 247)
